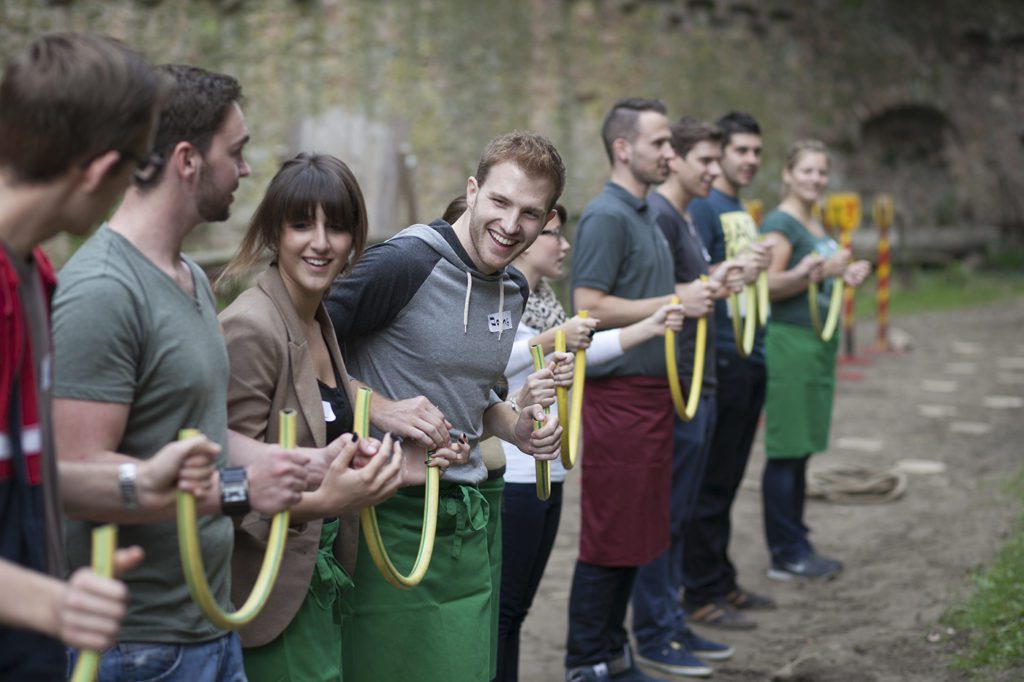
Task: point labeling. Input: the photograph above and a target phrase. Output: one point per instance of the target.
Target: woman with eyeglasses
(529, 525)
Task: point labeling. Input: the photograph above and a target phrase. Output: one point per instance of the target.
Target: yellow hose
(571, 417)
(763, 305)
(745, 337)
(542, 467)
(104, 542)
(368, 516)
(835, 305)
(192, 557)
(687, 410)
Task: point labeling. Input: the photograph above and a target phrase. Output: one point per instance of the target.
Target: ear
(185, 159)
(621, 150)
(472, 191)
(99, 169)
(550, 216)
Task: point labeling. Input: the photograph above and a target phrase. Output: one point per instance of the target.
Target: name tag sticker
(496, 322)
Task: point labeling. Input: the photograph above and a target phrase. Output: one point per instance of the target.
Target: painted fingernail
(353, 437)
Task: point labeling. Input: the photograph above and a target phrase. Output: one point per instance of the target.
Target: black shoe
(812, 567)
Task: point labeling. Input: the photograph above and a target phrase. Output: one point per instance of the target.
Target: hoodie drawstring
(501, 305)
(465, 307)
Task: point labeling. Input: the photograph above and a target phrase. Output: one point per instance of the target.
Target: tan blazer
(271, 369)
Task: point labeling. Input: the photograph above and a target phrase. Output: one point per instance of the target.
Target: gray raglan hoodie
(416, 318)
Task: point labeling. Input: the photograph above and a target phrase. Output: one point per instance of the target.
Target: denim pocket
(149, 662)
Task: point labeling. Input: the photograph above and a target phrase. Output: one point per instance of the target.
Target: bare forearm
(786, 284)
(38, 613)
(614, 311)
(500, 420)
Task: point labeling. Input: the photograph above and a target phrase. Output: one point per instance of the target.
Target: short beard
(213, 206)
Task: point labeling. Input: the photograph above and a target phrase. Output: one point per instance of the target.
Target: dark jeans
(597, 613)
(529, 526)
(657, 614)
(707, 571)
(784, 488)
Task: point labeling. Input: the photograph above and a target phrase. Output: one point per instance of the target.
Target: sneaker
(705, 648)
(745, 600)
(675, 659)
(812, 567)
(588, 673)
(719, 614)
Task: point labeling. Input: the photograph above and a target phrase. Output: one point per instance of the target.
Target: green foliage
(922, 290)
(993, 618)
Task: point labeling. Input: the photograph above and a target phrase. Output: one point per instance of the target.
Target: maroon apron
(626, 471)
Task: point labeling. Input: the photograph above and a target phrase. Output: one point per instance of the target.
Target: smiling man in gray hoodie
(428, 319)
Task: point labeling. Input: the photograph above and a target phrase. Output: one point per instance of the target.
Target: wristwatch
(513, 404)
(234, 491)
(126, 474)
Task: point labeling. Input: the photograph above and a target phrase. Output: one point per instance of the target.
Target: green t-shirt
(795, 310)
(124, 332)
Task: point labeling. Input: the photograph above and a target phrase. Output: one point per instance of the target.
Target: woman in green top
(801, 367)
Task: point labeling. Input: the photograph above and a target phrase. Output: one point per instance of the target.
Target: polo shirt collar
(639, 205)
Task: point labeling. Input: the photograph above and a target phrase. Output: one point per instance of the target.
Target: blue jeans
(219, 660)
(708, 574)
(597, 613)
(529, 527)
(657, 613)
(784, 489)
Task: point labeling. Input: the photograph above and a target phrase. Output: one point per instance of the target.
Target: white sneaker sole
(680, 670)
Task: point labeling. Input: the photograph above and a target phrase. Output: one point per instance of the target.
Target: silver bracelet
(126, 474)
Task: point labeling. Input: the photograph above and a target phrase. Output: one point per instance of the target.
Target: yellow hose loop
(571, 417)
(745, 336)
(368, 516)
(192, 556)
(687, 410)
(763, 305)
(834, 307)
(104, 542)
(543, 467)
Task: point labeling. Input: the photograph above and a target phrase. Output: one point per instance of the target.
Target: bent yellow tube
(745, 337)
(192, 557)
(104, 543)
(542, 467)
(834, 306)
(571, 417)
(763, 305)
(687, 410)
(368, 516)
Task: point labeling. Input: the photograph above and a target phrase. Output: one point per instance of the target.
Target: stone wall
(922, 98)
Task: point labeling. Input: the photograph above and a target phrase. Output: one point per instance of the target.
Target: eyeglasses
(557, 234)
(146, 166)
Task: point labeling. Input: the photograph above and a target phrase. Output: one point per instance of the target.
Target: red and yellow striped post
(844, 211)
(882, 211)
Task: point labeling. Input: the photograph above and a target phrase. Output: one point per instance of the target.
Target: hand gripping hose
(571, 418)
(745, 338)
(104, 542)
(368, 516)
(686, 411)
(543, 467)
(192, 557)
(834, 306)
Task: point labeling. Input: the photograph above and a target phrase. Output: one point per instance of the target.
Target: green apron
(440, 629)
(492, 489)
(309, 649)
(801, 382)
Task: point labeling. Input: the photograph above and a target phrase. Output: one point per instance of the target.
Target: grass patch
(924, 290)
(993, 618)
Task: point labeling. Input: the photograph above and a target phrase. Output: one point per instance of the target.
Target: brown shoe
(750, 601)
(720, 614)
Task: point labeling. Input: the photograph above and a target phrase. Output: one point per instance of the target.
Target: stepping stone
(1003, 402)
(1011, 378)
(967, 347)
(860, 444)
(962, 368)
(938, 386)
(1010, 363)
(936, 411)
(970, 428)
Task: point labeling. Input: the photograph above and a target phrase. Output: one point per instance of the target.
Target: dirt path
(905, 561)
